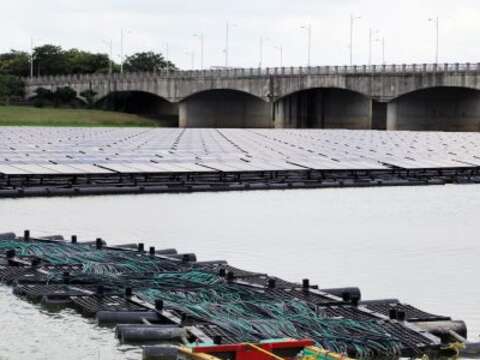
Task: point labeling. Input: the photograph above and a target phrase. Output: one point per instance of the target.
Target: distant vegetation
(29, 116)
(54, 60)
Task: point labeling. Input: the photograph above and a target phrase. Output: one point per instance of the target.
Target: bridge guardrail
(264, 72)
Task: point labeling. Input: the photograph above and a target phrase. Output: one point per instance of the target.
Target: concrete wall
(324, 108)
(224, 109)
(445, 109)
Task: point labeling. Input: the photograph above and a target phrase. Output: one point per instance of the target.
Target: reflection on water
(418, 244)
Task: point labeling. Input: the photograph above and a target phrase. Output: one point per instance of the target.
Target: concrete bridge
(414, 97)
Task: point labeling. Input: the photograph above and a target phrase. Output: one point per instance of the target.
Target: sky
(149, 25)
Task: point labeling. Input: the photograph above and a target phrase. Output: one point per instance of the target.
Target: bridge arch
(324, 107)
(224, 108)
(143, 103)
(436, 108)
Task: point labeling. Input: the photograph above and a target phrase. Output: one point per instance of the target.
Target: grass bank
(31, 116)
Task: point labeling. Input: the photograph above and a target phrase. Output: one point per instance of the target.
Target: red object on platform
(247, 352)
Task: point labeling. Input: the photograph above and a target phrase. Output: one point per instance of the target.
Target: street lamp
(109, 44)
(201, 38)
(227, 42)
(262, 45)
(371, 33)
(436, 25)
(123, 35)
(32, 56)
(280, 49)
(167, 55)
(191, 54)
(383, 50)
(308, 29)
(352, 23)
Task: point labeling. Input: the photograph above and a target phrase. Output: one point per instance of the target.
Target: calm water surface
(420, 244)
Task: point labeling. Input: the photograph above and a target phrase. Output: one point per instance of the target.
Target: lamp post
(109, 45)
(201, 38)
(280, 49)
(352, 25)
(31, 57)
(383, 50)
(192, 58)
(123, 35)
(308, 29)
(436, 26)
(227, 42)
(167, 55)
(371, 33)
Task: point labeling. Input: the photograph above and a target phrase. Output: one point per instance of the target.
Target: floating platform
(154, 297)
(90, 161)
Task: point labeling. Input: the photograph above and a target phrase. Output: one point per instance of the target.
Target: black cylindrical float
(222, 272)
(141, 247)
(10, 253)
(99, 243)
(159, 304)
(26, 235)
(401, 315)
(152, 250)
(306, 284)
(272, 283)
(392, 313)
(74, 239)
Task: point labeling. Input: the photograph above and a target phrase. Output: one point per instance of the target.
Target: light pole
(167, 55)
(227, 42)
(371, 33)
(436, 25)
(192, 58)
(280, 49)
(383, 50)
(123, 35)
(352, 24)
(31, 57)
(308, 29)
(262, 47)
(260, 63)
(201, 38)
(109, 44)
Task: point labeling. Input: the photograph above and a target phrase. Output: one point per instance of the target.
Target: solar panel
(131, 150)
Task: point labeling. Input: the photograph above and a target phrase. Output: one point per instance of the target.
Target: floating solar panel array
(46, 151)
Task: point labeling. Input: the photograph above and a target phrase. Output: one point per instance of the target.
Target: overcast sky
(409, 36)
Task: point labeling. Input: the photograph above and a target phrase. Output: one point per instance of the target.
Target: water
(417, 243)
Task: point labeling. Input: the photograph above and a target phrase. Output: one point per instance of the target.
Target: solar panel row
(137, 150)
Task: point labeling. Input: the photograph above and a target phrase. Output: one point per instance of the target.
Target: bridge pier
(324, 108)
(224, 109)
(440, 109)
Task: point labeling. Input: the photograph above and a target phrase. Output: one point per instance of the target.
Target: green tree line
(54, 60)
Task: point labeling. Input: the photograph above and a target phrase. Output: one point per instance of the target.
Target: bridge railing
(262, 72)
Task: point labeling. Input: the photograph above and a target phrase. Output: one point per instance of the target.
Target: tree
(147, 62)
(49, 60)
(16, 63)
(11, 87)
(82, 62)
(89, 96)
